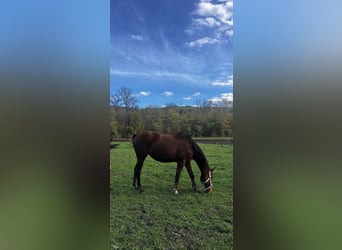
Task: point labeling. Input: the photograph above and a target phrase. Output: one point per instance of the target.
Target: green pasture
(159, 219)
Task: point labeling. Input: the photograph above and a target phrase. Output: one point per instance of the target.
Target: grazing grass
(159, 219)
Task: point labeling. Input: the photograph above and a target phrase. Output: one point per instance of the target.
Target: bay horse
(178, 148)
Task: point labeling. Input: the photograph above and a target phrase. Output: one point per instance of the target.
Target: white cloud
(219, 83)
(229, 33)
(208, 21)
(189, 31)
(229, 82)
(215, 99)
(222, 11)
(167, 93)
(144, 93)
(217, 17)
(225, 97)
(202, 41)
(136, 37)
(188, 98)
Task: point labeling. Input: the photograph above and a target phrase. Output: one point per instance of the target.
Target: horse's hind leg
(191, 175)
(137, 172)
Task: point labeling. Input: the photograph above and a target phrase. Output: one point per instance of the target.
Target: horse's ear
(212, 170)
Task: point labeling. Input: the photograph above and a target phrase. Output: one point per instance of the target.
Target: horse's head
(208, 184)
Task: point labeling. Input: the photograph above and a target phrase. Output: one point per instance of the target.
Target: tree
(206, 119)
(127, 99)
(124, 122)
(115, 100)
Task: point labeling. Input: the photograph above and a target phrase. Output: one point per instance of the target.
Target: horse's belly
(161, 158)
(163, 153)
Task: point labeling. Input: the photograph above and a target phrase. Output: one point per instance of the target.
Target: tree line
(203, 120)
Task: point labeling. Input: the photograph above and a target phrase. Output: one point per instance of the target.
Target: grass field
(159, 219)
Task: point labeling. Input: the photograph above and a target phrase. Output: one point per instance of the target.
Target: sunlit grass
(159, 219)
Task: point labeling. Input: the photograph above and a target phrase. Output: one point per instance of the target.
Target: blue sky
(172, 51)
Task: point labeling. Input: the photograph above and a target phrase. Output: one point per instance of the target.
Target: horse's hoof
(176, 192)
(141, 189)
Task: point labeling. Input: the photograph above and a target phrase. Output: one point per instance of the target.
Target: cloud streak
(202, 41)
(136, 37)
(157, 74)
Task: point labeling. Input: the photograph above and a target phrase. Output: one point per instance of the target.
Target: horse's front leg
(191, 175)
(178, 172)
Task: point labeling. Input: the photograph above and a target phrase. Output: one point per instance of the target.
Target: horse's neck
(204, 168)
(202, 165)
(201, 160)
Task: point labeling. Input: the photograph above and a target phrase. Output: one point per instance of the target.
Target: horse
(178, 148)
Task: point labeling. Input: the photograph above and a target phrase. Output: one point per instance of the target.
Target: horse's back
(151, 137)
(163, 147)
(145, 137)
(143, 141)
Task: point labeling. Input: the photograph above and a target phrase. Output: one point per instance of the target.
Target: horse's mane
(195, 146)
(180, 134)
(198, 151)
